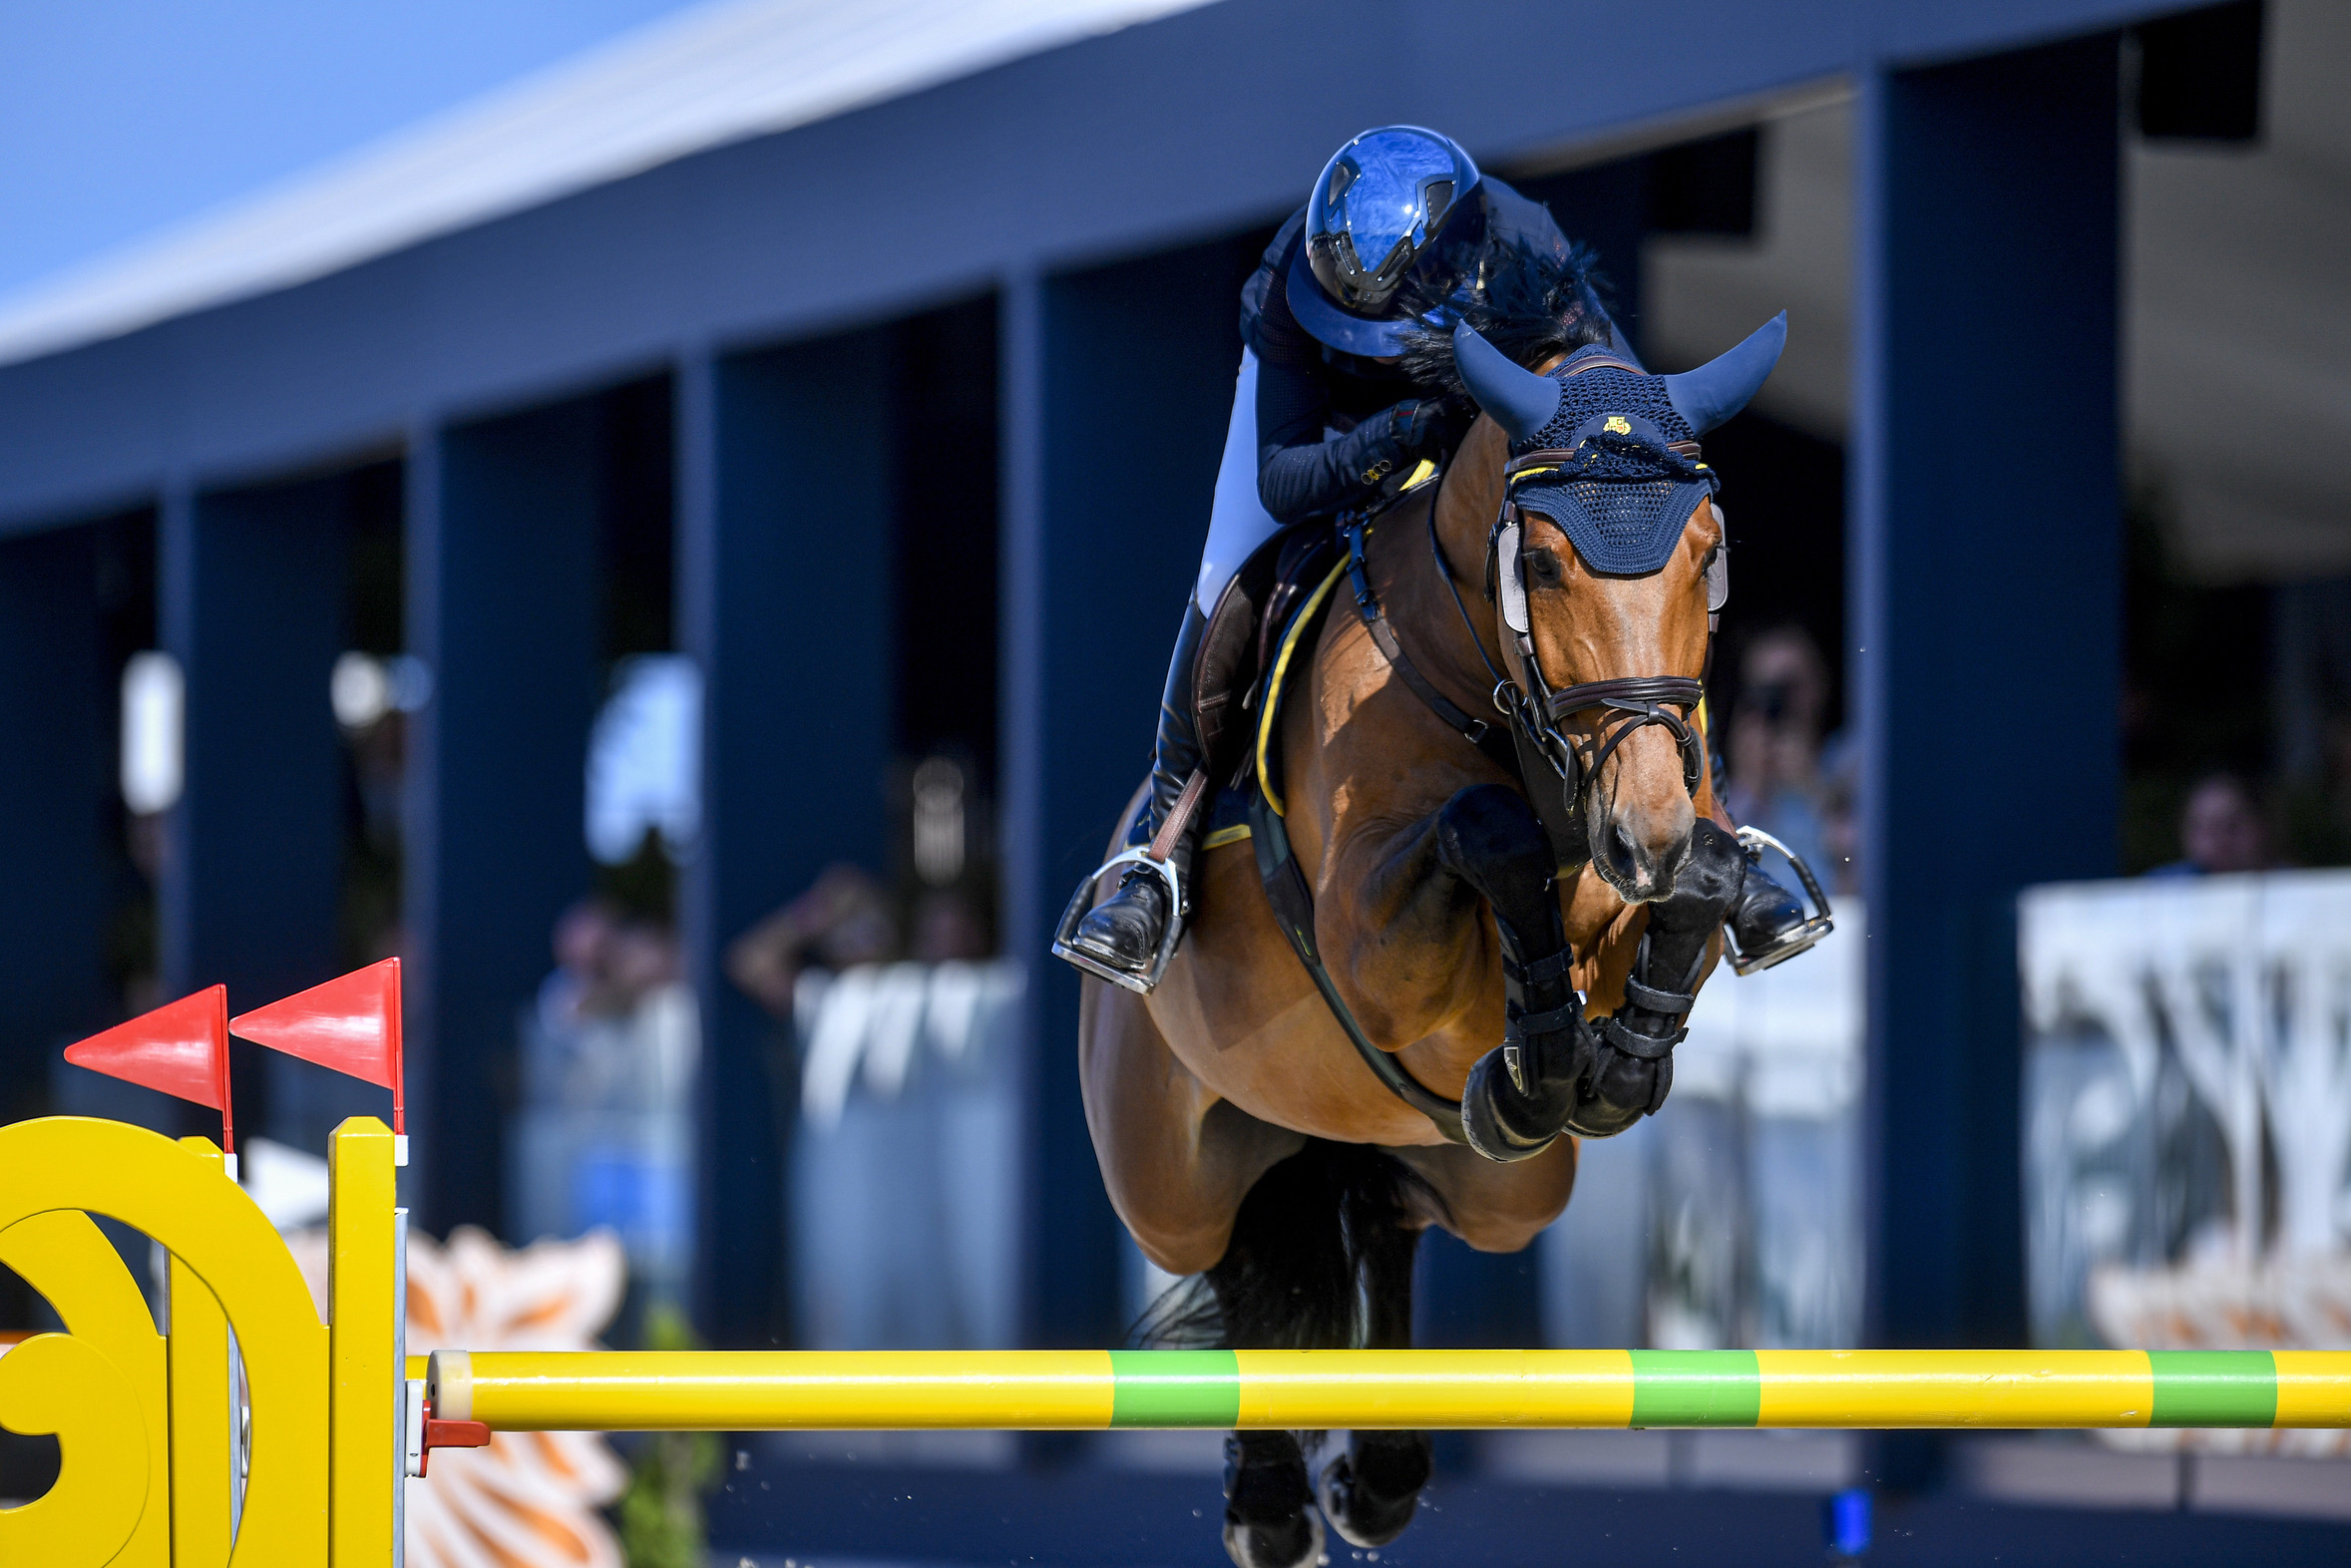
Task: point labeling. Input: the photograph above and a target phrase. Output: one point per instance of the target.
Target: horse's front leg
(1552, 1072)
(1633, 1059)
(1523, 1094)
(1412, 956)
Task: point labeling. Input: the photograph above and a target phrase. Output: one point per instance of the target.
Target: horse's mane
(1536, 305)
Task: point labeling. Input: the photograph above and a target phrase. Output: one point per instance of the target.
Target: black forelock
(1535, 305)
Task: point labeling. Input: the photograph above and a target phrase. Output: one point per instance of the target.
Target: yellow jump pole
(1040, 1389)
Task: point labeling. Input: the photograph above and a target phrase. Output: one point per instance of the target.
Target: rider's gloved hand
(1395, 438)
(1432, 427)
(1375, 448)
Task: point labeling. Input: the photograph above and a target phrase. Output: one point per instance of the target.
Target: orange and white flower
(529, 1499)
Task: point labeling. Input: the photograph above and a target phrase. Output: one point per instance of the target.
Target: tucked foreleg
(1520, 1095)
(1633, 1064)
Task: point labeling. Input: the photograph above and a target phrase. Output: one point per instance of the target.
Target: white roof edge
(717, 73)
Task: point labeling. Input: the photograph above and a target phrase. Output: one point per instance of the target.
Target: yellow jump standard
(1075, 1389)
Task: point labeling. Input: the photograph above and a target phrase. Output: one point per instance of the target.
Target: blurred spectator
(947, 927)
(606, 960)
(603, 1135)
(844, 917)
(1773, 744)
(2221, 829)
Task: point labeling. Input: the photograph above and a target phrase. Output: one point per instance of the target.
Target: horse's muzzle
(1639, 850)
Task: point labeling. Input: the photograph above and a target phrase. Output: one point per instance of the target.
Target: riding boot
(1768, 922)
(1126, 931)
(1634, 1066)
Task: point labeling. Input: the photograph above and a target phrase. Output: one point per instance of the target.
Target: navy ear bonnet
(1625, 494)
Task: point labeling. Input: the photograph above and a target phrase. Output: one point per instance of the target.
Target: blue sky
(119, 117)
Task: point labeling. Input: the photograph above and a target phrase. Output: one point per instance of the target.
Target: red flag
(181, 1048)
(351, 1024)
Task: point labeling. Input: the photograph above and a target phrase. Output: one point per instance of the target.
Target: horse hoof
(1623, 1091)
(1371, 1508)
(1295, 1542)
(1485, 1118)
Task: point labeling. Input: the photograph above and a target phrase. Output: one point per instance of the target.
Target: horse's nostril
(1623, 853)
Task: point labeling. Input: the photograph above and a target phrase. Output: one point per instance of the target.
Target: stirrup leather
(1081, 904)
(1755, 840)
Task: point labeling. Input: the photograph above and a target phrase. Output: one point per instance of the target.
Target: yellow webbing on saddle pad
(1265, 724)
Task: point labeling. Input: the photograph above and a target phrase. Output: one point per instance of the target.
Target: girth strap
(1293, 912)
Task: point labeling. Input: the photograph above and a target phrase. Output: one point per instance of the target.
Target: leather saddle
(1236, 647)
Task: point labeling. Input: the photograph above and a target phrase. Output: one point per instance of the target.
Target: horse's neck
(1465, 504)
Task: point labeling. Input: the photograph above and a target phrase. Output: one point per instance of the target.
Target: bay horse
(1534, 974)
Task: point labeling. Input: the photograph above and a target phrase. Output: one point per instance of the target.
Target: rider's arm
(1302, 469)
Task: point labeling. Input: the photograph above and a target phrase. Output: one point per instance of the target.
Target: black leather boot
(1523, 1095)
(1120, 939)
(1767, 923)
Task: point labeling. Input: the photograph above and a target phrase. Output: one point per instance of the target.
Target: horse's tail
(1321, 1258)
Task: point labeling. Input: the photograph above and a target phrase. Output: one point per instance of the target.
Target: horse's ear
(1722, 386)
(1520, 401)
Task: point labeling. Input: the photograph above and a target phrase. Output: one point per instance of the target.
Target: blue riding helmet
(1394, 205)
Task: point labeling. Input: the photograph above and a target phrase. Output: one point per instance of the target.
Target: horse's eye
(1543, 566)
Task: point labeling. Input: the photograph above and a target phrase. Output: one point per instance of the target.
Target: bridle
(1533, 708)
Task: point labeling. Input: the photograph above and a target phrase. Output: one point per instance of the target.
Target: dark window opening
(942, 392)
(124, 549)
(375, 583)
(1783, 493)
(638, 474)
(2199, 73)
(636, 559)
(1707, 186)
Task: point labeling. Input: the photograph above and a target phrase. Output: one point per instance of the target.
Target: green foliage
(660, 1516)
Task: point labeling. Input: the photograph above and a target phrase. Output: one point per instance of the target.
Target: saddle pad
(1279, 595)
(1228, 813)
(1241, 630)
(1245, 629)
(1228, 821)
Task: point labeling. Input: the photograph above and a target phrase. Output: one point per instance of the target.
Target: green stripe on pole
(1175, 1387)
(2213, 1389)
(1696, 1388)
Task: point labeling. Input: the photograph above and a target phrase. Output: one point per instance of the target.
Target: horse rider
(1401, 225)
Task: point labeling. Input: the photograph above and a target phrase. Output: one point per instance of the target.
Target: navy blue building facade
(1092, 204)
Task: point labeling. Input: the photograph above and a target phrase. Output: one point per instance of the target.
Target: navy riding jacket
(1330, 424)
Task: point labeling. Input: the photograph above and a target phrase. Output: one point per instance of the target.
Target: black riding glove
(1432, 427)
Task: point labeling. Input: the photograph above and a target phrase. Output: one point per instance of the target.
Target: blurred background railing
(905, 1163)
(2188, 1119)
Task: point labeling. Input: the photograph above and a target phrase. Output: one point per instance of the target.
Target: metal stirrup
(1755, 840)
